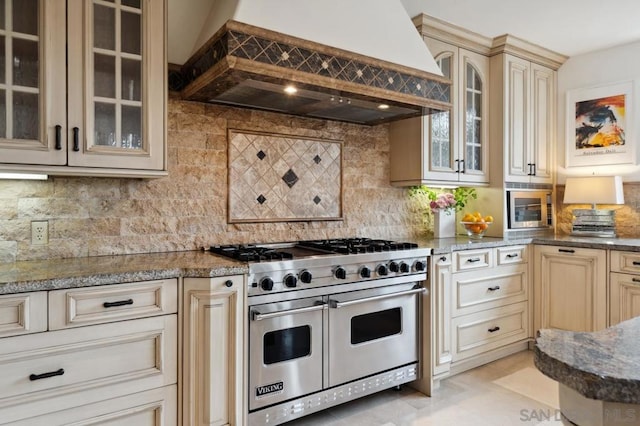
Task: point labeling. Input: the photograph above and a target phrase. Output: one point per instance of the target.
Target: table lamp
(594, 190)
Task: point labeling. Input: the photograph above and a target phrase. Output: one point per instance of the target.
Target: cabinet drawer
(56, 368)
(23, 313)
(480, 332)
(511, 254)
(149, 408)
(625, 261)
(472, 259)
(474, 291)
(107, 303)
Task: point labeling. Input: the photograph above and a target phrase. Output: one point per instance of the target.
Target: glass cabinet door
(32, 108)
(441, 137)
(473, 124)
(123, 75)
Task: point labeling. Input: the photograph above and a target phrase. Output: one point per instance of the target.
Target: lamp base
(594, 223)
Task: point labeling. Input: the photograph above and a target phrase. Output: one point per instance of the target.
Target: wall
(187, 210)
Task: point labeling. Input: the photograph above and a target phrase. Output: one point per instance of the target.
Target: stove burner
(250, 252)
(357, 245)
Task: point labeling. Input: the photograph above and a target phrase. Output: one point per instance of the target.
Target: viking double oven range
(329, 321)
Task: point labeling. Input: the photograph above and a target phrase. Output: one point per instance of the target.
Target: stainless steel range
(329, 321)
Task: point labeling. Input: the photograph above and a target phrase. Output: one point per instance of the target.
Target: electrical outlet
(39, 232)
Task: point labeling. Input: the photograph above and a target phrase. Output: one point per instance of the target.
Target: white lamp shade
(594, 190)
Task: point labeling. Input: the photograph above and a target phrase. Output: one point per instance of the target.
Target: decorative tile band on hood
(248, 66)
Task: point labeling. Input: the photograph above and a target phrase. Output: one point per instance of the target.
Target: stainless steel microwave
(529, 209)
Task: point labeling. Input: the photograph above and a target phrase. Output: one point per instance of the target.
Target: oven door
(285, 350)
(371, 331)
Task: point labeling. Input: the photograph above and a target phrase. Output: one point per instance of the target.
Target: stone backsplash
(188, 209)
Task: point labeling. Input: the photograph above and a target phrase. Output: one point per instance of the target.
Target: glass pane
(3, 114)
(25, 115)
(477, 158)
(104, 76)
(131, 127)
(131, 79)
(471, 111)
(131, 3)
(283, 345)
(25, 62)
(2, 16)
(105, 125)
(478, 82)
(375, 325)
(445, 66)
(131, 33)
(3, 60)
(469, 77)
(104, 32)
(478, 104)
(25, 16)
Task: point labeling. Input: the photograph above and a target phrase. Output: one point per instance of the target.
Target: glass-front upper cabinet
(117, 93)
(458, 138)
(32, 82)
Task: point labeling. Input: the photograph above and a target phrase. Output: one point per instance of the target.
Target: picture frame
(599, 126)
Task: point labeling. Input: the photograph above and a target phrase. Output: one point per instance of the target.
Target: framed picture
(599, 126)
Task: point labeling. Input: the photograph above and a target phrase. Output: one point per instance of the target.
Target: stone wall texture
(188, 209)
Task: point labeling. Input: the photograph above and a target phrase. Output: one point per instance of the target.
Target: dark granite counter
(53, 274)
(601, 365)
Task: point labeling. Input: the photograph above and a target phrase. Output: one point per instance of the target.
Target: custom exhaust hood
(359, 61)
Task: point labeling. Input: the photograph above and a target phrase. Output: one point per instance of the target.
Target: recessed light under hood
(249, 66)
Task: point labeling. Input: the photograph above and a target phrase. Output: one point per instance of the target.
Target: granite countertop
(601, 365)
(53, 274)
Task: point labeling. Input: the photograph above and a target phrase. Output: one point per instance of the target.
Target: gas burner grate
(250, 253)
(357, 245)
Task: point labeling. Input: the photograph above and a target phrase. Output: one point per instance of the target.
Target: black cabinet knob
(341, 273)
(266, 284)
(305, 276)
(228, 283)
(290, 280)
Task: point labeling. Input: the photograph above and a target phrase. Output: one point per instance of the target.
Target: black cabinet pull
(473, 260)
(494, 288)
(76, 139)
(462, 162)
(118, 303)
(636, 263)
(512, 255)
(443, 258)
(493, 329)
(457, 165)
(58, 137)
(566, 251)
(59, 372)
(635, 280)
(529, 167)
(534, 169)
(228, 283)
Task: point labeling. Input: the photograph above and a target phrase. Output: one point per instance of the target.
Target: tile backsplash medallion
(188, 209)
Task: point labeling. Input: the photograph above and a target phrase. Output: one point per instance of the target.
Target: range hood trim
(199, 79)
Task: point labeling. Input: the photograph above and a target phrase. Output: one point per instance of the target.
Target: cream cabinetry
(449, 146)
(23, 313)
(624, 286)
(480, 307)
(110, 119)
(570, 288)
(122, 371)
(212, 360)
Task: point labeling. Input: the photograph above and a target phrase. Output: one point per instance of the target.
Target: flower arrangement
(438, 199)
(445, 201)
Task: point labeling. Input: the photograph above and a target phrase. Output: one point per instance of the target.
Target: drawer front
(23, 313)
(474, 291)
(94, 305)
(511, 255)
(472, 259)
(137, 355)
(483, 331)
(625, 261)
(150, 408)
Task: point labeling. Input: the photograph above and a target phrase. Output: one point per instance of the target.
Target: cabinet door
(118, 65)
(516, 120)
(213, 331)
(32, 82)
(624, 297)
(543, 125)
(441, 315)
(570, 289)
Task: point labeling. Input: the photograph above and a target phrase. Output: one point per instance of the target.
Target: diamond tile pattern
(289, 56)
(288, 183)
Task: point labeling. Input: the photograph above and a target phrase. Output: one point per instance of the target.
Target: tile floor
(468, 399)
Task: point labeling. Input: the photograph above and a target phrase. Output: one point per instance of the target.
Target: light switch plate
(39, 232)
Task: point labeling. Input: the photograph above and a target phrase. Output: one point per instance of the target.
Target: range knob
(394, 267)
(382, 270)
(290, 280)
(305, 276)
(420, 266)
(341, 273)
(266, 283)
(404, 267)
(365, 272)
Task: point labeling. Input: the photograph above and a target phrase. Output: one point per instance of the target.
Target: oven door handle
(336, 304)
(257, 316)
